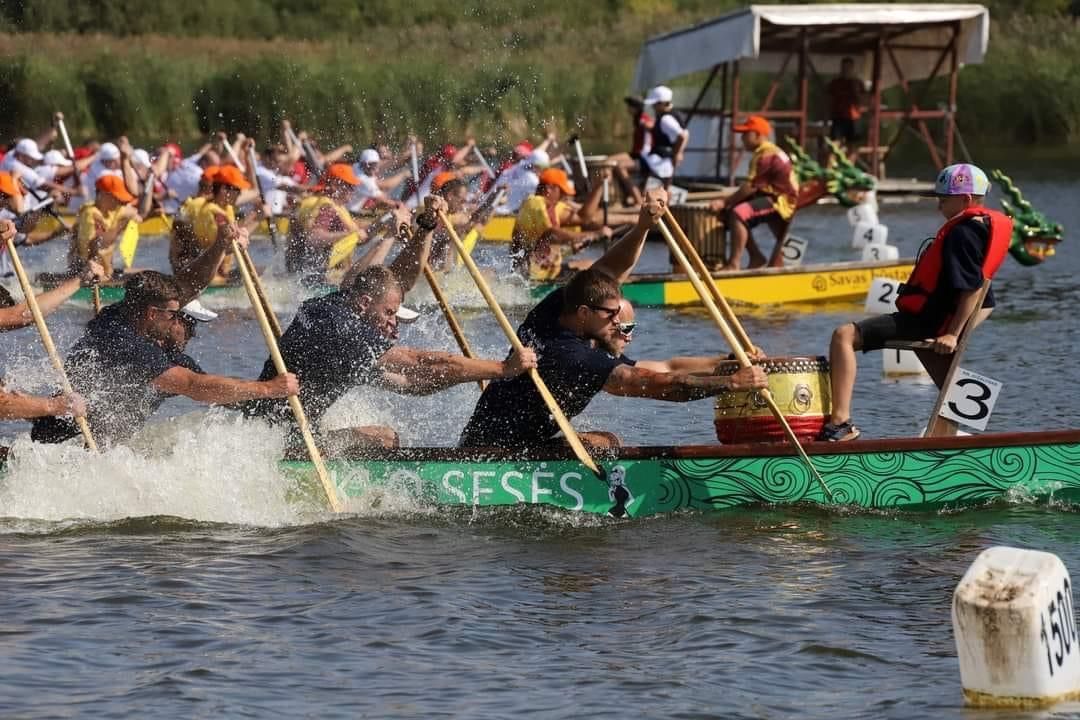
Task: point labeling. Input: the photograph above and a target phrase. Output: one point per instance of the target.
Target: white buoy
(1015, 631)
(862, 213)
(880, 251)
(869, 233)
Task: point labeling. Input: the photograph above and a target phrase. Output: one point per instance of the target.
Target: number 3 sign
(970, 399)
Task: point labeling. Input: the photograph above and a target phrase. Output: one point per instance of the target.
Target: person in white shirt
(521, 181)
(372, 187)
(669, 138)
(22, 162)
(182, 180)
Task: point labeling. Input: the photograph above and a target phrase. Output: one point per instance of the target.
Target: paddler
(539, 231)
(124, 362)
(321, 221)
(219, 212)
(183, 247)
(371, 192)
(452, 188)
(938, 298)
(572, 329)
(347, 339)
(100, 225)
(769, 195)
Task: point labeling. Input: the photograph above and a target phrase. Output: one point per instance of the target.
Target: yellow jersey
(205, 225)
(92, 223)
(533, 220)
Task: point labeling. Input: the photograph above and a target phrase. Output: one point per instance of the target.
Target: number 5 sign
(970, 399)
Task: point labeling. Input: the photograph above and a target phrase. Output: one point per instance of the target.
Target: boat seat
(908, 345)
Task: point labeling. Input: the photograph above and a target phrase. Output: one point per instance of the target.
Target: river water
(173, 578)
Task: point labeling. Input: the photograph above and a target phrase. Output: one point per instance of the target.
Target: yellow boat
(497, 229)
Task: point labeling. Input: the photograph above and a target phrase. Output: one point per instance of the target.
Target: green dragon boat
(908, 474)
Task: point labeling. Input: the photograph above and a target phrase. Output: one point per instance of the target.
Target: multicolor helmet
(961, 179)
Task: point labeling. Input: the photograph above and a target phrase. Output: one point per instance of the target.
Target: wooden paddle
(46, 339)
(451, 319)
(270, 224)
(260, 290)
(621, 494)
(703, 272)
(261, 312)
(736, 347)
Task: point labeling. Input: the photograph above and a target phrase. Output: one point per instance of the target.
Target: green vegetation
(352, 71)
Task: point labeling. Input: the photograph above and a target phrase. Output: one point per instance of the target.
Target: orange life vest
(913, 295)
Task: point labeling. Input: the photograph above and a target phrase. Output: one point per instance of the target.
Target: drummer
(938, 298)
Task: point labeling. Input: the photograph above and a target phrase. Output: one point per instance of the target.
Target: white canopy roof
(762, 35)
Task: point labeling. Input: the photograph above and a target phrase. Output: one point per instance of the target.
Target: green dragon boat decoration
(842, 178)
(1035, 238)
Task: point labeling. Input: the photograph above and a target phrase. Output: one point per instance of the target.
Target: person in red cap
(100, 225)
(539, 230)
(768, 195)
(321, 221)
(219, 212)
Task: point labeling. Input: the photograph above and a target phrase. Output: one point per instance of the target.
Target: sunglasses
(174, 315)
(626, 329)
(610, 313)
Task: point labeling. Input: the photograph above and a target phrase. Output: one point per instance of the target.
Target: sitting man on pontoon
(938, 298)
(571, 329)
(769, 195)
(346, 339)
(125, 364)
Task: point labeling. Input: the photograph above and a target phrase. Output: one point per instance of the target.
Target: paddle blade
(129, 243)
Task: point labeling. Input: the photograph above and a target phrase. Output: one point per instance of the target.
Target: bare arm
(630, 381)
(16, 405)
(413, 256)
(686, 365)
(619, 261)
(18, 316)
(194, 277)
(221, 390)
(422, 372)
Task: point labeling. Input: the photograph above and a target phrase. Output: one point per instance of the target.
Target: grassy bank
(488, 77)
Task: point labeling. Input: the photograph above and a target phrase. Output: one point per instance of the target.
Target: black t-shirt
(963, 253)
(511, 413)
(113, 367)
(330, 349)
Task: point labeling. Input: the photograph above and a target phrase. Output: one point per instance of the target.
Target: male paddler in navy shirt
(939, 297)
(347, 339)
(571, 330)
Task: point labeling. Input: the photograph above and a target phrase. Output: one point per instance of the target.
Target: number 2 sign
(971, 398)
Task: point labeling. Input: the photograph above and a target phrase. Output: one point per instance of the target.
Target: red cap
(755, 123)
(81, 153)
(558, 178)
(114, 185)
(447, 153)
(523, 148)
(230, 175)
(8, 186)
(178, 154)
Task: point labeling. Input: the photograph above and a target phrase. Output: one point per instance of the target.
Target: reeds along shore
(496, 82)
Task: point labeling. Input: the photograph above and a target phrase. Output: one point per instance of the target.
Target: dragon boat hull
(911, 474)
(807, 284)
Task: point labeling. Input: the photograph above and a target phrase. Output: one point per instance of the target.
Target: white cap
(369, 155)
(55, 157)
(659, 94)
(406, 315)
(141, 158)
(28, 147)
(539, 158)
(196, 311)
(108, 151)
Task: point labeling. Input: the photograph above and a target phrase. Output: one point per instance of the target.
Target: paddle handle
(67, 140)
(484, 162)
(97, 299)
(279, 364)
(232, 153)
(46, 339)
(740, 354)
(699, 265)
(541, 387)
(581, 163)
(260, 290)
(448, 313)
(270, 225)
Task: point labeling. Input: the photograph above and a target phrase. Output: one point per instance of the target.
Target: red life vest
(914, 294)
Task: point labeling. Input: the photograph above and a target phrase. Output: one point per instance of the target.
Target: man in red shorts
(769, 195)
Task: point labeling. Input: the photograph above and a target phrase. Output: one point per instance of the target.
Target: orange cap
(8, 186)
(342, 172)
(441, 179)
(231, 175)
(755, 123)
(558, 178)
(114, 185)
(209, 174)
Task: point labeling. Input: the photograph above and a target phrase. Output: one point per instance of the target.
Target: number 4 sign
(970, 399)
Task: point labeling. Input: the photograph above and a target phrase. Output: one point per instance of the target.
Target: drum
(705, 230)
(801, 388)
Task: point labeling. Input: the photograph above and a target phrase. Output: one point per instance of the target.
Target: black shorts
(880, 329)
